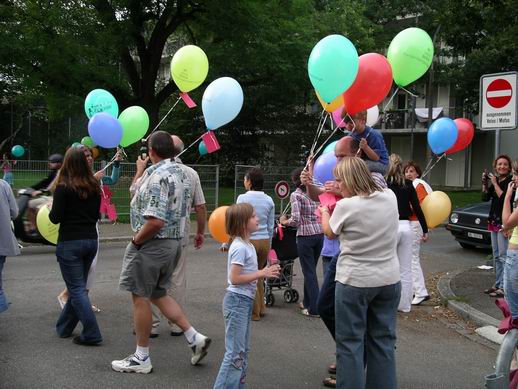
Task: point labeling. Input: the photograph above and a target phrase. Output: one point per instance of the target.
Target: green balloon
(87, 141)
(410, 54)
(135, 123)
(76, 144)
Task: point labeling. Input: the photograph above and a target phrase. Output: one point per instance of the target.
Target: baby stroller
(285, 246)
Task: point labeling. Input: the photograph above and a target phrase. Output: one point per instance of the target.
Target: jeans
(326, 297)
(511, 282)
(74, 258)
(309, 248)
(3, 300)
(366, 324)
(325, 264)
(499, 245)
(237, 312)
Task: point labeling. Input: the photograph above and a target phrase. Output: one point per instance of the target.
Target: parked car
(469, 225)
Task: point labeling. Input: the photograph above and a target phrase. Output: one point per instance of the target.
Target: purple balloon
(323, 170)
(105, 130)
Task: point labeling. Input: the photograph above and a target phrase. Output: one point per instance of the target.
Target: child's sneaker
(199, 348)
(132, 364)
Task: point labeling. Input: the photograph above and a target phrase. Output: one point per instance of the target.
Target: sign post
(282, 190)
(498, 103)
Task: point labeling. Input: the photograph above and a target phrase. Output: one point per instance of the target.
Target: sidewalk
(109, 232)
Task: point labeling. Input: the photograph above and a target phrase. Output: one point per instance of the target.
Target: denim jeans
(237, 312)
(3, 300)
(74, 258)
(326, 297)
(499, 245)
(366, 324)
(511, 282)
(309, 248)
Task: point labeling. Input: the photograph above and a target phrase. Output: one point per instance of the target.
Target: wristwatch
(137, 246)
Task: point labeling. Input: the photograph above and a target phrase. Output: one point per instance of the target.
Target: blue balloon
(221, 102)
(202, 148)
(323, 170)
(105, 130)
(100, 100)
(17, 151)
(330, 147)
(442, 135)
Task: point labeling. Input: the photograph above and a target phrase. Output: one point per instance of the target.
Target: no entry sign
(498, 103)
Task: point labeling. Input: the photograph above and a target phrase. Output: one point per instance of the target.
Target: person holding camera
(494, 187)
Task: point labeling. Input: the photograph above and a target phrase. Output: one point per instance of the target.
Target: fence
(27, 173)
(272, 175)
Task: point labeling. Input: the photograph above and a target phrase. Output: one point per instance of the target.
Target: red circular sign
(282, 189)
(499, 93)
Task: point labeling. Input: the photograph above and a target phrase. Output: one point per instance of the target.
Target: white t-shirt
(367, 229)
(243, 254)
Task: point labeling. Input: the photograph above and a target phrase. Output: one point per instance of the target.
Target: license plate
(476, 236)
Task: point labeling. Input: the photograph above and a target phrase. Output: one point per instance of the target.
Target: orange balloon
(95, 152)
(333, 105)
(217, 224)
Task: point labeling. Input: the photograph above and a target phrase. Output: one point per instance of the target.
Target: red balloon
(372, 84)
(465, 135)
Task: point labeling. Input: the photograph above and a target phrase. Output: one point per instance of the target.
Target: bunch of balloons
(449, 136)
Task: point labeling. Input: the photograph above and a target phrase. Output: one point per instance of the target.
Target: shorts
(147, 272)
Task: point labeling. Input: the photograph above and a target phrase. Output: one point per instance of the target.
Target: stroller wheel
(269, 300)
(288, 296)
(294, 296)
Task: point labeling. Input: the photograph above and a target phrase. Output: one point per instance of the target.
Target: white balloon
(373, 115)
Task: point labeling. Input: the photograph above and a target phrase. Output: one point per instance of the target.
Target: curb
(128, 237)
(466, 311)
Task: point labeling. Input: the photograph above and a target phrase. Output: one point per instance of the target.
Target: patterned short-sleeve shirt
(162, 193)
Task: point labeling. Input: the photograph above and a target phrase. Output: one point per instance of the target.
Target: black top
(406, 197)
(43, 184)
(77, 217)
(497, 203)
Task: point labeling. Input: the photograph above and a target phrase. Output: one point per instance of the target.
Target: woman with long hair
(77, 198)
(407, 203)
(367, 287)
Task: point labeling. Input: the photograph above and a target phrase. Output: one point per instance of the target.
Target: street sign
(498, 102)
(282, 189)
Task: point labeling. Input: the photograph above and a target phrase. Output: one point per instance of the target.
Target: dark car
(469, 225)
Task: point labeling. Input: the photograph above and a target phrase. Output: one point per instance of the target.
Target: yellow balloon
(333, 105)
(46, 228)
(436, 208)
(217, 225)
(189, 67)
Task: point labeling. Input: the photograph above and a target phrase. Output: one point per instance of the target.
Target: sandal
(301, 305)
(332, 368)
(490, 290)
(95, 309)
(497, 293)
(305, 312)
(329, 382)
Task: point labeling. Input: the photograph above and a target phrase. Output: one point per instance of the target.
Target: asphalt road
(288, 349)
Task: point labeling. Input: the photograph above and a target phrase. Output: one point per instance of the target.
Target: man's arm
(201, 220)
(141, 168)
(312, 190)
(150, 228)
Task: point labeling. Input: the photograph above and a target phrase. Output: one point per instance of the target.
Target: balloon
(332, 66)
(217, 225)
(410, 54)
(373, 115)
(221, 102)
(76, 144)
(337, 117)
(135, 123)
(442, 135)
(100, 100)
(372, 83)
(330, 147)
(202, 148)
(87, 141)
(46, 228)
(436, 208)
(189, 67)
(17, 151)
(95, 152)
(105, 130)
(333, 105)
(323, 170)
(465, 135)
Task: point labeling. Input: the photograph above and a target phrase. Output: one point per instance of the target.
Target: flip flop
(490, 290)
(332, 368)
(329, 382)
(497, 293)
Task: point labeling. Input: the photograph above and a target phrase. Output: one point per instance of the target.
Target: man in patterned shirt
(158, 211)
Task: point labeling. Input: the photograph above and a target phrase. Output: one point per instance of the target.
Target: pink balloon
(337, 117)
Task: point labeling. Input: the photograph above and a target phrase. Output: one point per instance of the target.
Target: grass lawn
(463, 198)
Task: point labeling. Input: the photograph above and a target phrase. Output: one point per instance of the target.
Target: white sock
(190, 335)
(142, 352)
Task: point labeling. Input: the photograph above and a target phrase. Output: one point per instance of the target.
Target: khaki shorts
(147, 272)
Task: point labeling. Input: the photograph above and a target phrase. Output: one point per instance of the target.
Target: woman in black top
(494, 187)
(75, 207)
(407, 203)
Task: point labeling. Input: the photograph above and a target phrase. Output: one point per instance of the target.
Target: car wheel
(466, 245)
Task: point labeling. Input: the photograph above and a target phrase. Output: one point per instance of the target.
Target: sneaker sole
(197, 359)
(140, 371)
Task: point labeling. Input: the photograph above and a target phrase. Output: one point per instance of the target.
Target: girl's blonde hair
(356, 177)
(395, 174)
(236, 219)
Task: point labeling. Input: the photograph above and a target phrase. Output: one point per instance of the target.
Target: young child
(240, 223)
(371, 143)
(7, 167)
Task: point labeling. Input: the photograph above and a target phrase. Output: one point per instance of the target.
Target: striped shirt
(303, 214)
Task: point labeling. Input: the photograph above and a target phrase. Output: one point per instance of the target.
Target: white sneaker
(419, 300)
(199, 349)
(132, 364)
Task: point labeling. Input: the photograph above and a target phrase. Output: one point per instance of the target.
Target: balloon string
(188, 147)
(391, 98)
(286, 208)
(166, 115)
(431, 167)
(327, 139)
(410, 93)
(321, 124)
